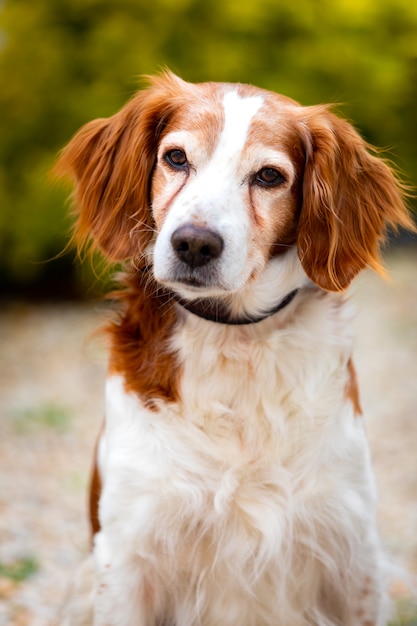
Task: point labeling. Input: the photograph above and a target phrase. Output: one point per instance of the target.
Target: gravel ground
(51, 403)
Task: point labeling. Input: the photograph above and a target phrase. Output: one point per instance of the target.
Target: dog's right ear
(111, 161)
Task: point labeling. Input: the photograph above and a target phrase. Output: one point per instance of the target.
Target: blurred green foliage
(64, 63)
(406, 613)
(51, 416)
(19, 570)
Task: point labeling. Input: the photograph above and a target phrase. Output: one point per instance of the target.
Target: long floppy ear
(111, 161)
(350, 198)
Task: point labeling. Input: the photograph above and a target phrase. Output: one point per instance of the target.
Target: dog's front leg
(369, 603)
(123, 595)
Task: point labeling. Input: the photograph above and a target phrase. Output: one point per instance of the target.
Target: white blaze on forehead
(212, 194)
(238, 113)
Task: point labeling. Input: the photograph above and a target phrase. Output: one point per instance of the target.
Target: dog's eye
(176, 158)
(269, 177)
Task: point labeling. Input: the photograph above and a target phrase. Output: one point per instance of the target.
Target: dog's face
(218, 186)
(225, 190)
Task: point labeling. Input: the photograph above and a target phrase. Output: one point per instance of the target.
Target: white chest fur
(253, 480)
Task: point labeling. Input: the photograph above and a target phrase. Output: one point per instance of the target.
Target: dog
(232, 483)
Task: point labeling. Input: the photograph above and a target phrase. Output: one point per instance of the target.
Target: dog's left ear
(350, 197)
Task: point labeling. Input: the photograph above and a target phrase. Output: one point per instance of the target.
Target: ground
(52, 371)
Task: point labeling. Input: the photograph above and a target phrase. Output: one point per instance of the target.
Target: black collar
(215, 312)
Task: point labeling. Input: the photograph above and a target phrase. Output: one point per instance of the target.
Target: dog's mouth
(201, 283)
(195, 283)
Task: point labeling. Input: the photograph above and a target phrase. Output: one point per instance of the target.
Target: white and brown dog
(233, 478)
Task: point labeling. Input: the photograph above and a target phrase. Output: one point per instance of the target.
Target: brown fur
(94, 497)
(350, 197)
(352, 388)
(140, 340)
(112, 161)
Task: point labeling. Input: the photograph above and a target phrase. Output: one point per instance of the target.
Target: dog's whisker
(284, 245)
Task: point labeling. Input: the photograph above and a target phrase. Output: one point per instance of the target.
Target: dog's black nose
(196, 246)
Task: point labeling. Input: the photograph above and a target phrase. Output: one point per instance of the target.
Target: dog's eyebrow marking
(238, 113)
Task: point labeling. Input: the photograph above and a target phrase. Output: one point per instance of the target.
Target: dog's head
(215, 183)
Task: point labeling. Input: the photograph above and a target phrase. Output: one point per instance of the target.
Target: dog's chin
(194, 290)
(200, 284)
(210, 302)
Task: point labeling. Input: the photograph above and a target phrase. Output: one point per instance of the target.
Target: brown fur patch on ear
(350, 198)
(111, 161)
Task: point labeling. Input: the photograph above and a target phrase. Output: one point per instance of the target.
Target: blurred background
(64, 63)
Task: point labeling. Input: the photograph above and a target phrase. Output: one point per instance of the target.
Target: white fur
(240, 503)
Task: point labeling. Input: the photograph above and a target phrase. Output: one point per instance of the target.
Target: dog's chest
(262, 445)
(199, 485)
(223, 459)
